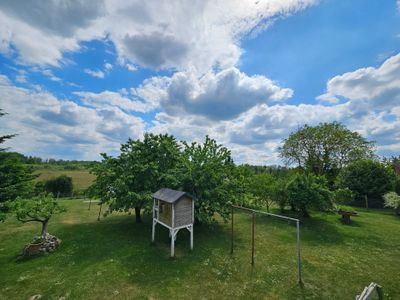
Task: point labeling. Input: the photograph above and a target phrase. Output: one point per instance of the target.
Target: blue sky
(80, 79)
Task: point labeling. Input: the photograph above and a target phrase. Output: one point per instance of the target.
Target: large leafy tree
(307, 191)
(369, 180)
(128, 181)
(209, 176)
(324, 149)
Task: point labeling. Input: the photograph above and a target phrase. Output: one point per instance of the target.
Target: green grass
(114, 259)
(81, 179)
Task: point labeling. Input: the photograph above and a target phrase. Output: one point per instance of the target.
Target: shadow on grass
(126, 246)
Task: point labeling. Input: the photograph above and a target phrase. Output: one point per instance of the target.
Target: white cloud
(94, 73)
(49, 127)
(380, 86)
(150, 34)
(217, 96)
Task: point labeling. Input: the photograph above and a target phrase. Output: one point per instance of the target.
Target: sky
(78, 78)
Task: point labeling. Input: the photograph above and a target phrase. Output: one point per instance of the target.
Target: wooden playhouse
(174, 210)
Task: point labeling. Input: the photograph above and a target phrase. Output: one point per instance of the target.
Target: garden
(98, 245)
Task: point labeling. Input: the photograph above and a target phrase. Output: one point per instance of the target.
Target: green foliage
(306, 191)
(16, 179)
(343, 196)
(392, 200)
(209, 175)
(324, 149)
(261, 187)
(367, 178)
(143, 167)
(61, 185)
(4, 137)
(279, 192)
(37, 209)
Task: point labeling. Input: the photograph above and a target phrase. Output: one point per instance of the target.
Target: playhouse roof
(170, 196)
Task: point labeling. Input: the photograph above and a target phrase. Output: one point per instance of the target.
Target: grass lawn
(114, 259)
(81, 179)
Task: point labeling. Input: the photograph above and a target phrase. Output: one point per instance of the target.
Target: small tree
(392, 200)
(61, 185)
(261, 186)
(279, 193)
(37, 209)
(308, 191)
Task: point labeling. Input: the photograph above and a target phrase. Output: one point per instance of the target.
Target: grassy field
(81, 179)
(114, 259)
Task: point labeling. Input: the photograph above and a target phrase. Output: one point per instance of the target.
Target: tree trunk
(44, 228)
(137, 215)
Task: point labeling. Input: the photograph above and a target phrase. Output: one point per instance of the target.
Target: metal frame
(254, 212)
(173, 231)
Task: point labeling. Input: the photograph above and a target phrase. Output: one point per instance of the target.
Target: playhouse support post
(153, 232)
(172, 243)
(191, 237)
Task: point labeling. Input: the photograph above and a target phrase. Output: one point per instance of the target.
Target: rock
(35, 297)
(45, 245)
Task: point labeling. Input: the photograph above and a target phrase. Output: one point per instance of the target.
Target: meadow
(114, 259)
(81, 179)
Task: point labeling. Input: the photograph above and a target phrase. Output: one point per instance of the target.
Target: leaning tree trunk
(44, 228)
(137, 215)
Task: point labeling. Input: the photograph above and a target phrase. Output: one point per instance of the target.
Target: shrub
(61, 185)
(392, 200)
(308, 191)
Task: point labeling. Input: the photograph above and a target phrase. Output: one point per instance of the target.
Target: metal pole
(232, 233)
(298, 250)
(252, 238)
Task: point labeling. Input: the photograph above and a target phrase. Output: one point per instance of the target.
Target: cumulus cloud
(217, 96)
(47, 126)
(379, 86)
(153, 34)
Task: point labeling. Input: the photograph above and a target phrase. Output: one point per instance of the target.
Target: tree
(279, 193)
(324, 149)
(208, 175)
(392, 200)
(306, 191)
(16, 179)
(37, 209)
(59, 186)
(140, 170)
(4, 137)
(369, 180)
(261, 186)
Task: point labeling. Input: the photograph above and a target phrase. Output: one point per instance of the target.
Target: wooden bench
(346, 216)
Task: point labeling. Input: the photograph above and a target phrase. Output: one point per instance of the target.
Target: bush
(343, 196)
(61, 186)
(392, 200)
(308, 191)
(369, 180)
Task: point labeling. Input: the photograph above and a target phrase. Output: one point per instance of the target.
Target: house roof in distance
(169, 195)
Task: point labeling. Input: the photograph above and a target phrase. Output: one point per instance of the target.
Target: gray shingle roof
(170, 196)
